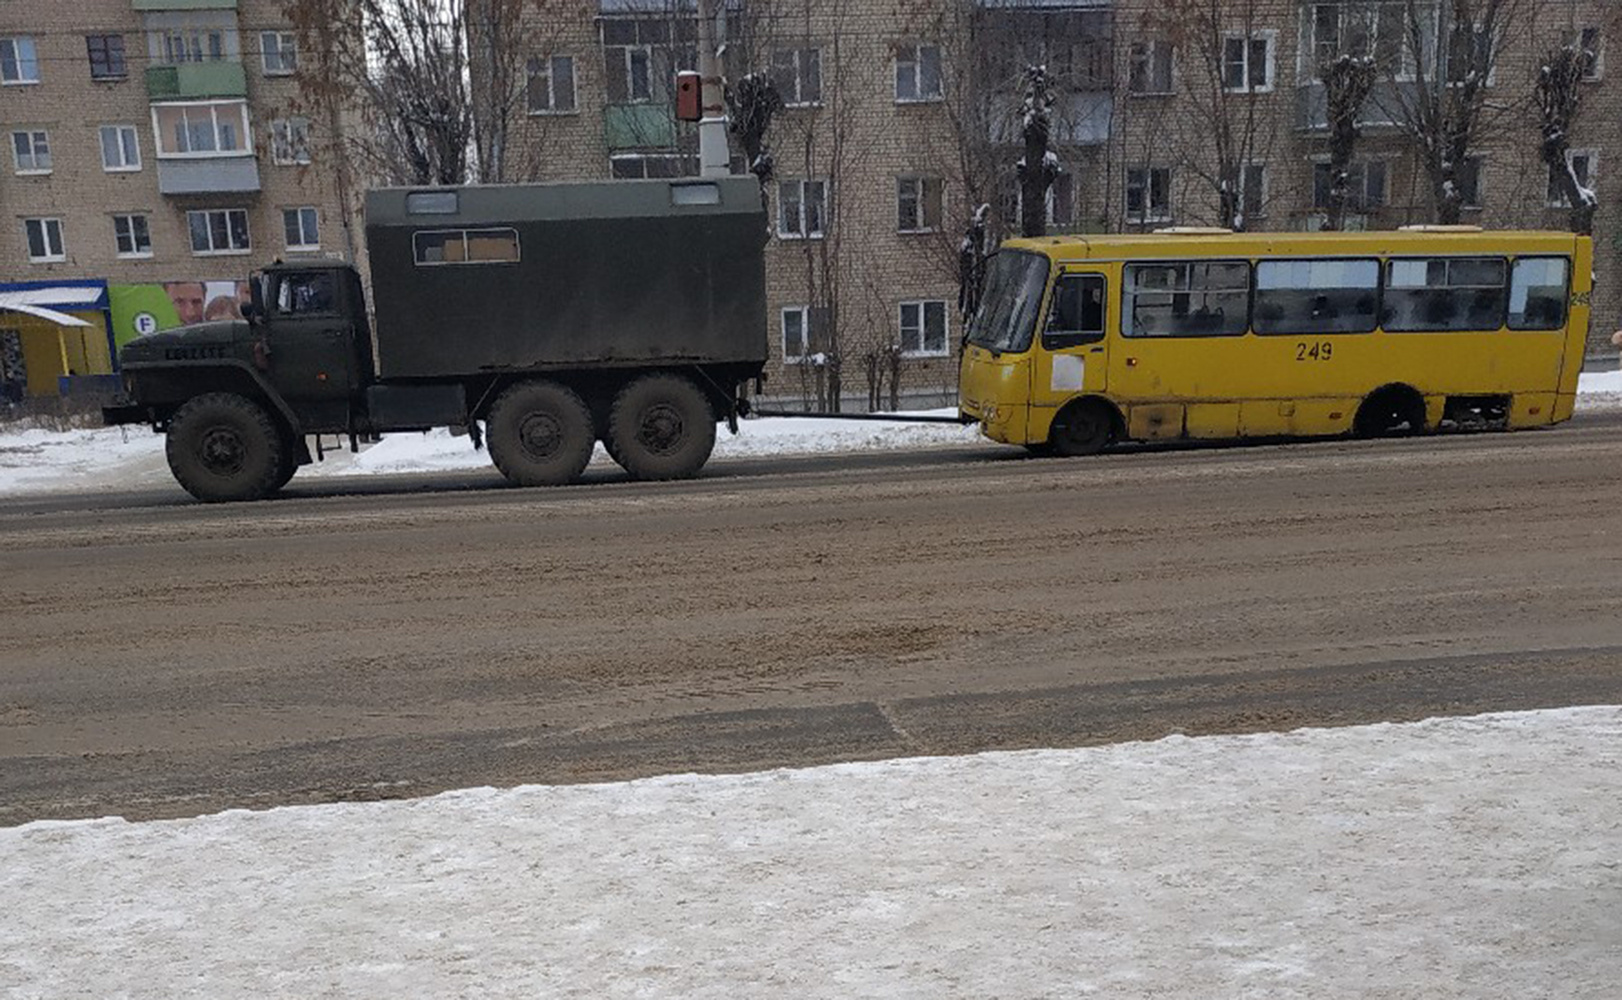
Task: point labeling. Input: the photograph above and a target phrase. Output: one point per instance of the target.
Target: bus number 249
(1319, 351)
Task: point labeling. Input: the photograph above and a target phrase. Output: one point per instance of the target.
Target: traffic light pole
(713, 159)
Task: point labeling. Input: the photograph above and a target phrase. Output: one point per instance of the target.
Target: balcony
(208, 175)
(1382, 108)
(639, 126)
(222, 78)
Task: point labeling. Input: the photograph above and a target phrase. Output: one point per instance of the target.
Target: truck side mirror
(256, 299)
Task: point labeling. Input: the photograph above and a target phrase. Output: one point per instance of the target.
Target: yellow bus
(1080, 341)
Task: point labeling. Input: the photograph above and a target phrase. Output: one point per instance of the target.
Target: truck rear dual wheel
(661, 427)
(222, 446)
(540, 434)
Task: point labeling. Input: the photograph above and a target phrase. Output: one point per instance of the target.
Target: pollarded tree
(1348, 79)
(1559, 94)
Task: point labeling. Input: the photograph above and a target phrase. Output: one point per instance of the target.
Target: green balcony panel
(204, 79)
(639, 126)
(145, 5)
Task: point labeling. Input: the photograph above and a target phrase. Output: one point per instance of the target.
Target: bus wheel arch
(1085, 426)
(1392, 409)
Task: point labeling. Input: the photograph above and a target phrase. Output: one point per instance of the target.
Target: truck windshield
(1007, 315)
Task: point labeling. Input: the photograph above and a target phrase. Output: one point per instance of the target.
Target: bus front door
(1073, 360)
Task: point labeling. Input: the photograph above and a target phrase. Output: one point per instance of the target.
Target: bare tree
(1439, 86)
(402, 65)
(1559, 94)
(1039, 166)
(1222, 130)
(1347, 80)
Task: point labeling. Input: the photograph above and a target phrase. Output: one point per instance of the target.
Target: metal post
(713, 159)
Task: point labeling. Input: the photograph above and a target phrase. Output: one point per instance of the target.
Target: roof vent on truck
(1433, 227)
(1194, 231)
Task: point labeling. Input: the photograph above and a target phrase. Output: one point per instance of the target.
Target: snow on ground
(109, 458)
(1449, 858)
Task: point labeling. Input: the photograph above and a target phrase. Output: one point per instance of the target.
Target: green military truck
(555, 315)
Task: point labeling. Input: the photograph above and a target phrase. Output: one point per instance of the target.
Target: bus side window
(1538, 288)
(1076, 315)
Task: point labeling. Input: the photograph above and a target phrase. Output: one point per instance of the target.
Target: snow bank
(1448, 858)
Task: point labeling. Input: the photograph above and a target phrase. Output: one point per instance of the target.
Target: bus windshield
(1007, 315)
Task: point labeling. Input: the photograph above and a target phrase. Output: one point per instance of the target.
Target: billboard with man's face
(142, 309)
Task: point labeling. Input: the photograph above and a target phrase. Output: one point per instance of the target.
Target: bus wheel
(222, 446)
(1082, 428)
(1390, 411)
(661, 427)
(540, 434)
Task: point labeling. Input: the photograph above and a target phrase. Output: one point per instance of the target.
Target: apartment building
(154, 156)
(902, 116)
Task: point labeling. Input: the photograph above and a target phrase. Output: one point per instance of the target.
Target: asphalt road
(393, 637)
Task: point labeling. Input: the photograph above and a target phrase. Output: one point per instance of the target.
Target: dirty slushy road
(363, 639)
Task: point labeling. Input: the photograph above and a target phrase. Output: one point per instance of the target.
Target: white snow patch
(1448, 858)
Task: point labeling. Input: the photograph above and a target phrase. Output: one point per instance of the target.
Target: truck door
(311, 358)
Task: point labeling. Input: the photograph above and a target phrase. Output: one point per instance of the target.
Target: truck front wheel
(222, 446)
(661, 427)
(540, 434)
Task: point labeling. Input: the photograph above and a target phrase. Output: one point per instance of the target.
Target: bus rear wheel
(1083, 428)
(1390, 411)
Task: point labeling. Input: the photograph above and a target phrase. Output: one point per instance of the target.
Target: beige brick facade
(860, 138)
(64, 100)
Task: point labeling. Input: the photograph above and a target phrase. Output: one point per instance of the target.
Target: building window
(220, 230)
(1253, 190)
(1060, 203)
(290, 141)
(640, 55)
(551, 85)
(106, 57)
(217, 128)
(44, 240)
(18, 61)
(918, 204)
(798, 76)
(1374, 29)
(1583, 164)
(1148, 194)
(638, 166)
(1469, 179)
(299, 224)
(32, 151)
(796, 333)
(923, 329)
(1150, 67)
(1587, 41)
(1247, 62)
(132, 235)
(802, 209)
(1365, 185)
(120, 149)
(193, 44)
(918, 73)
(279, 50)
